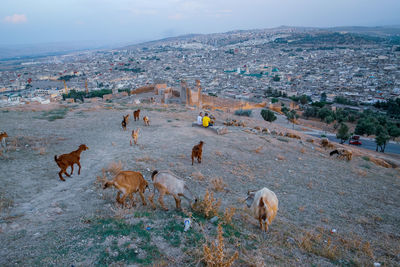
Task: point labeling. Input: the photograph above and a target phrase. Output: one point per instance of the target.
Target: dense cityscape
(240, 64)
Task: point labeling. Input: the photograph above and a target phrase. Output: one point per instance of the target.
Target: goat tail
(55, 158)
(261, 203)
(334, 152)
(153, 174)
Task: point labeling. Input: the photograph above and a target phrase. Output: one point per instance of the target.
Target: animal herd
(263, 204)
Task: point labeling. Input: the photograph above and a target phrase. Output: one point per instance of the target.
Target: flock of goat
(262, 203)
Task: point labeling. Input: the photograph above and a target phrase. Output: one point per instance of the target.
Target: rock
(214, 219)
(291, 241)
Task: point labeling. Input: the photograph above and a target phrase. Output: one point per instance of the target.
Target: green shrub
(243, 112)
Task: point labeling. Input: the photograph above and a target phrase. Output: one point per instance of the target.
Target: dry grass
(215, 255)
(302, 150)
(228, 214)
(146, 159)
(218, 153)
(280, 157)
(380, 162)
(114, 168)
(258, 149)
(101, 179)
(198, 176)
(208, 206)
(218, 184)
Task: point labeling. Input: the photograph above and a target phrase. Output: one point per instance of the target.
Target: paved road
(366, 143)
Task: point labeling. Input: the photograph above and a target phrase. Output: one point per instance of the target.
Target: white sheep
(264, 206)
(167, 183)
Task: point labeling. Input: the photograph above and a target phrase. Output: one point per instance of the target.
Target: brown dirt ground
(44, 221)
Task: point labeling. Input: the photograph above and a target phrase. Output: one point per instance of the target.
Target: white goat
(264, 206)
(167, 183)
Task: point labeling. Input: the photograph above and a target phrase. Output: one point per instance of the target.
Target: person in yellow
(206, 120)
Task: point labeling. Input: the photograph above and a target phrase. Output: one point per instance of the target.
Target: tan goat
(263, 205)
(128, 182)
(146, 121)
(166, 183)
(3, 136)
(135, 136)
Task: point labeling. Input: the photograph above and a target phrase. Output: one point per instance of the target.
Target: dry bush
(198, 176)
(101, 179)
(181, 156)
(380, 162)
(302, 208)
(258, 149)
(280, 157)
(114, 168)
(310, 185)
(208, 206)
(146, 159)
(303, 150)
(215, 255)
(228, 214)
(218, 153)
(218, 184)
(310, 140)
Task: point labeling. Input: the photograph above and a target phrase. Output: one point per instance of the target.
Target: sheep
(135, 136)
(136, 114)
(124, 122)
(197, 152)
(128, 182)
(3, 136)
(166, 183)
(66, 160)
(146, 121)
(342, 153)
(264, 206)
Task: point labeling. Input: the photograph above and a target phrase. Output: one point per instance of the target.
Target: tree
(343, 133)
(393, 130)
(381, 138)
(365, 126)
(303, 99)
(291, 116)
(310, 112)
(324, 112)
(274, 100)
(329, 119)
(268, 115)
(323, 97)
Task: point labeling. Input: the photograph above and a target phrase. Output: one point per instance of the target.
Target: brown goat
(66, 160)
(197, 152)
(128, 182)
(135, 136)
(136, 114)
(124, 122)
(3, 136)
(146, 121)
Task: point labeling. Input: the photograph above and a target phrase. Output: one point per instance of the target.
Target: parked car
(355, 140)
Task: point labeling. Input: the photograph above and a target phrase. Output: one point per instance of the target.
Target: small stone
(377, 264)
(214, 219)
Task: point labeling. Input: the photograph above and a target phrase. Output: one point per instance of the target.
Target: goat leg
(142, 197)
(177, 202)
(72, 169)
(151, 197)
(79, 170)
(61, 178)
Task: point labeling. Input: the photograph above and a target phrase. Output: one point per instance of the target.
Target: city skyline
(115, 22)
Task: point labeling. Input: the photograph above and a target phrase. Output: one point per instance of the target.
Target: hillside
(331, 211)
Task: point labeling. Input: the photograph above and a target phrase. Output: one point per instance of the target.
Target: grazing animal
(124, 122)
(264, 206)
(68, 160)
(326, 144)
(135, 136)
(146, 121)
(136, 114)
(3, 136)
(342, 153)
(166, 183)
(197, 152)
(128, 182)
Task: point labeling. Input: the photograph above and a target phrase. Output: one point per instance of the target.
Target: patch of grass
(366, 158)
(5, 203)
(243, 112)
(141, 214)
(54, 114)
(367, 166)
(172, 233)
(283, 139)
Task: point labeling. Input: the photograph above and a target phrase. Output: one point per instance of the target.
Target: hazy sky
(113, 21)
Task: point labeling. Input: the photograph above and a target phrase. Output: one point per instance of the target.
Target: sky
(24, 22)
